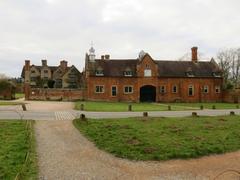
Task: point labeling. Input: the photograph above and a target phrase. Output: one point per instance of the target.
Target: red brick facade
(204, 89)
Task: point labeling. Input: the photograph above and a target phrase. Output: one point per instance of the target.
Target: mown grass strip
(163, 138)
(18, 159)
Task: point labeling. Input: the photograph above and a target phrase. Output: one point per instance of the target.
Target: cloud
(59, 29)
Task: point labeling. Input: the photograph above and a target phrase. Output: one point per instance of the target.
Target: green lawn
(208, 105)
(163, 138)
(17, 143)
(19, 95)
(5, 103)
(122, 106)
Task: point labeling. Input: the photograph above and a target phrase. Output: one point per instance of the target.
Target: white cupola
(92, 54)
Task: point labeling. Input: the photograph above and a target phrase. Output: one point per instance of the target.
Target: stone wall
(56, 94)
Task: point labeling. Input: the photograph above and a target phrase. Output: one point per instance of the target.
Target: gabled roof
(166, 68)
(180, 68)
(114, 67)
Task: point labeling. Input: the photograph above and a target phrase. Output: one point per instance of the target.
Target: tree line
(229, 62)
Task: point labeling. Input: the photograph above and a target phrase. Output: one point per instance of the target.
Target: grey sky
(64, 29)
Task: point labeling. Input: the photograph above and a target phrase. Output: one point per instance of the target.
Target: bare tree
(229, 62)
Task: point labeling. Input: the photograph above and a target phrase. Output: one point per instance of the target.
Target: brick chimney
(44, 62)
(63, 64)
(27, 65)
(194, 54)
(107, 56)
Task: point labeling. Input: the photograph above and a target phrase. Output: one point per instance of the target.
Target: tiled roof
(116, 68)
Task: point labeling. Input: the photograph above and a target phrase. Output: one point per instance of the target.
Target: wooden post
(24, 107)
(145, 114)
(232, 113)
(129, 107)
(194, 114)
(82, 107)
(169, 108)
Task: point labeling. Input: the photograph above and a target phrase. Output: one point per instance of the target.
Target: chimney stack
(194, 54)
(27, 65)
(102, 57)
(63, 64)
(44, 62)
(107, 56)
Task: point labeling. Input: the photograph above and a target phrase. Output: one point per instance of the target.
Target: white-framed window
(190, 90)
(174, 89)
(205, 89)
(99, 72)
(128, 89)
(114, 91)
(99, 89)
(128, 73)
(217, 89)
(147, 73)
(162, 89)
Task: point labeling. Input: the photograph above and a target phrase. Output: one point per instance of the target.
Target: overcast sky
(64, 29)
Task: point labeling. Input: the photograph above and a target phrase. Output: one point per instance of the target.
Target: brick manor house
(134, 80)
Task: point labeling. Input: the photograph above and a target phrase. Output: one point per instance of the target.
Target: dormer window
(216, 74)
(128, 73)
(190, 74)
(99, 72)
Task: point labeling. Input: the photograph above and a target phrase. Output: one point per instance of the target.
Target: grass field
(16, 141)
(163, 138)
(19, 95)
(121, 106)
(5, 103)
(208, 105)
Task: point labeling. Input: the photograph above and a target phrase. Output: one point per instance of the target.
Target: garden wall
(56, 94)
(231, 96)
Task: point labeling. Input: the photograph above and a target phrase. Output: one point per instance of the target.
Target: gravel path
(65, 154)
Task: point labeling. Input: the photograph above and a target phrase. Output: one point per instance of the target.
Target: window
(128, 89)
(45, 71)
(174, 89)
(32, 71)
(99, 72)
(128, 73)
(190, 90)
(114, 90)
(33, 79)
(162, 89)
(217, 89)
(216, 74)
(147, 72)
(99, 89)
(190, 74)
(205, 89)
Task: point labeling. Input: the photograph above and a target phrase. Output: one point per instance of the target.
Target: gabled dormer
(146, 66)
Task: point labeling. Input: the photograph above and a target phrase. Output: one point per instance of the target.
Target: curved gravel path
(65, 154)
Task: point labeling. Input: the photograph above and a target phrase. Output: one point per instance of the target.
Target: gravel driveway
(65, 154)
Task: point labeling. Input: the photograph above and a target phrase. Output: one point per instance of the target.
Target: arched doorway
(148, 93)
